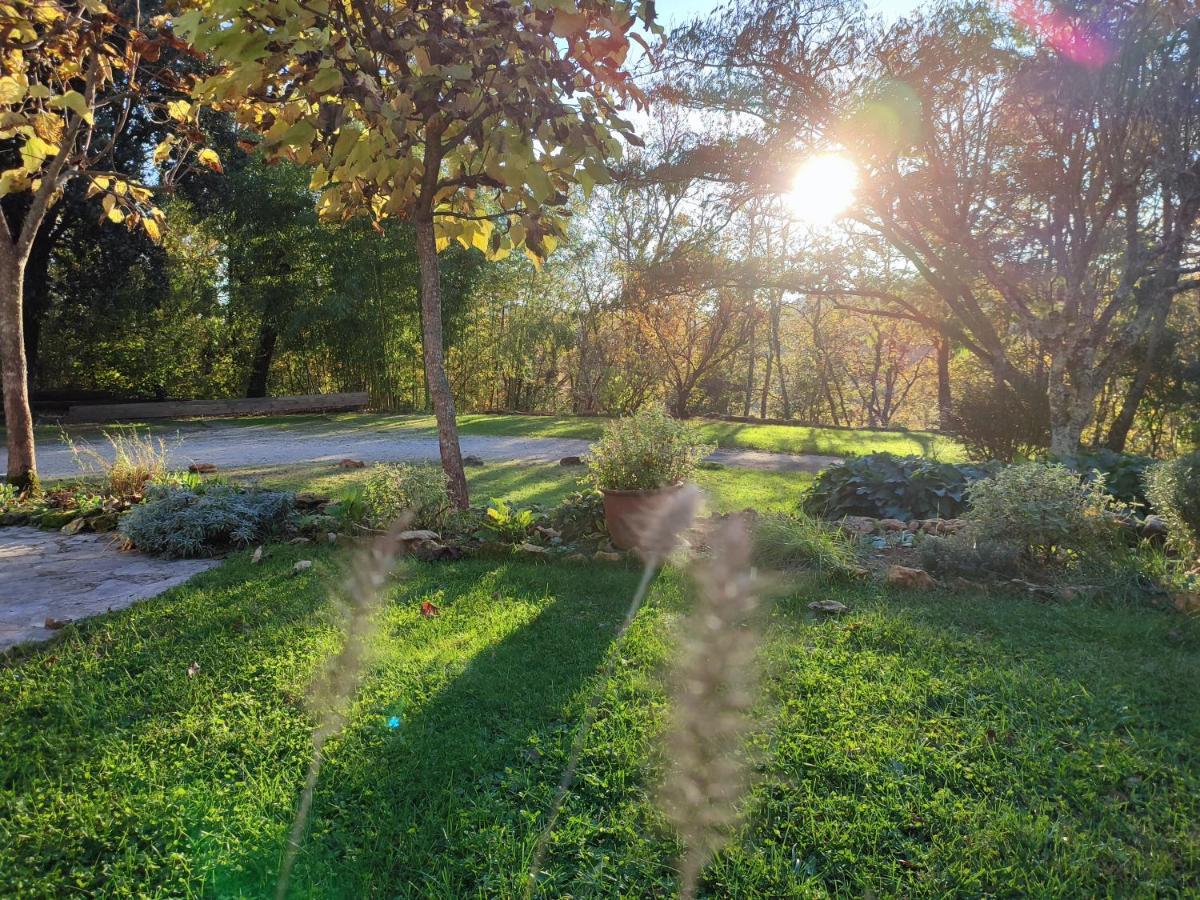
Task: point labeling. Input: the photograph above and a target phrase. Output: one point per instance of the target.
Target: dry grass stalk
(137, 460)
(332, 691)
(659, 534)
(714, 691)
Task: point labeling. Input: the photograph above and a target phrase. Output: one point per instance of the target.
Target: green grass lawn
(773, 438)
(923, 745)
(729, 489)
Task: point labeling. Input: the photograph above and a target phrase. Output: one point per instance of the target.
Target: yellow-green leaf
(208, 157)
(74, 101)
(35, 153)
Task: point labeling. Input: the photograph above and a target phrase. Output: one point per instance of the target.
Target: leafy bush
(801, 541)
(180, 523)
(1173, 487)
(508, 523)
(580, 515)
(962, 555)
(885, 486)
(137, 460)
(1047, 511)
(997, 422)
(1123, 473)
(397, 489)
(646, 451)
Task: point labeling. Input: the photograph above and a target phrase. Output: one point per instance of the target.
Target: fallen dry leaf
(302, 566)
(428, 610)
(193, 670)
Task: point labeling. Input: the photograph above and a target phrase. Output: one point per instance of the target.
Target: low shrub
(511, 524)
(1048, 512)
(397, 489)
(802, 542)
(961, 555)
(996, 422)
(1173, 488)
(646, 451)
(884, 486)
(579, 515)
(1123, 473)
(177, 523)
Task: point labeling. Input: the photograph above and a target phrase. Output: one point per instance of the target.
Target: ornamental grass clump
(645, 452)
(132, 463)
(801, 541)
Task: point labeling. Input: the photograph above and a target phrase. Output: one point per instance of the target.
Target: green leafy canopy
(477, 113)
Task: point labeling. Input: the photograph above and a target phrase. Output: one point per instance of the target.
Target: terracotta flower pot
(627, 512)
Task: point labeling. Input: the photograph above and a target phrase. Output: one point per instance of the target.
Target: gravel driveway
(235, 446)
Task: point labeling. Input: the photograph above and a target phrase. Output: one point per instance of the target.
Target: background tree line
(1022, 254)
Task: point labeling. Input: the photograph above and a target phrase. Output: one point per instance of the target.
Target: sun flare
(823, 188)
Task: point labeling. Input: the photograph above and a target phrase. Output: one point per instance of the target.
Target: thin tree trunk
(260, 364)
(1118, 432)
(777, 350)
(766, 388)
(435, 363)
(945, 401)
(18, 420)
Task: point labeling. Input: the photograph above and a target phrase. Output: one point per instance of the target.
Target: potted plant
(636, 463)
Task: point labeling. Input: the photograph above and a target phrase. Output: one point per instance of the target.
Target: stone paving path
(237, 446)
(49, 575)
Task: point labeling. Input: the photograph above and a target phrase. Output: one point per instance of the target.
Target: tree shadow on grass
(450, 802)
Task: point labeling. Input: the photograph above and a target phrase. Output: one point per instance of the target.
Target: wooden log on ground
(242, 406)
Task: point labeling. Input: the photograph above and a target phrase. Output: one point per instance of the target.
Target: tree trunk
(18, 420)
(1118, 433)
(750, 353)
(777, 351)
(1070, 410)
(260, 365)
(435, 364)
(766, 389)
(945, 401)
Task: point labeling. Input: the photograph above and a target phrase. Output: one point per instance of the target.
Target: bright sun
(823, 188)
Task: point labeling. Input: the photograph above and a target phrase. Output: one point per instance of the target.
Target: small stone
(473, 461)
(606, 556)
(828, 607)
(202, 468)
(256, 556)
(352, 464)
(904, 576)
(299, 540)
(307, 500)
(1154, 527)
(575, 557)
(571, 461)
(421, 535)
(302, 566)
(193, 670)
(54, 624)
(1188, 602)
(104, 522)
(914, 526)
(891, 525)
(526, 547)
(859, 524)
(74, 526)
(331, 537)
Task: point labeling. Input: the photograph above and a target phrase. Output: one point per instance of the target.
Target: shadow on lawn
(466, 778)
